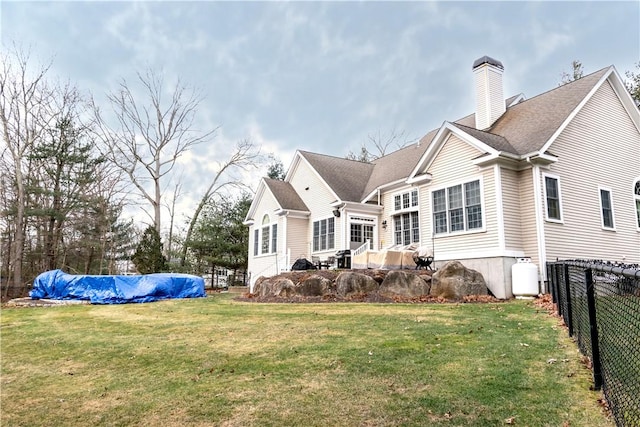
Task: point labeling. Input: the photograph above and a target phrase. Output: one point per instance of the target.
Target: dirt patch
(29, 302)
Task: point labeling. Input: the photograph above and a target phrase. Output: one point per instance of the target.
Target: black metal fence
(600, 304)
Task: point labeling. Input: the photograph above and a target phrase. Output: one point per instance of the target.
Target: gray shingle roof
(347, 178)
(524, 128)
(285, 195)
(396, 165)
(494, 141)
(529, 124)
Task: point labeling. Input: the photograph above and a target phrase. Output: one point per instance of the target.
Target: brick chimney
(489, 97)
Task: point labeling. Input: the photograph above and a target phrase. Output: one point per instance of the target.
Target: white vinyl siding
(599, 148)
(528, 215)
(453, 166)
(296, 236)
(263, 263)
(318, 198)
(511, 212)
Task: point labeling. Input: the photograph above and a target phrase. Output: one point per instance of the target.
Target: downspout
(497, 176)
(542, 251)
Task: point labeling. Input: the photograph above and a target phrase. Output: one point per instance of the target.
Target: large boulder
(455, 281)
(315, 285)
(404, 284)
(276, 287)
(349, 283)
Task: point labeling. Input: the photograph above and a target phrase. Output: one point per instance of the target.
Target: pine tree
(148, 257)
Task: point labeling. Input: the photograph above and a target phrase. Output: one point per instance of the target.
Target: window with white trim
(406, 226)
(458, 208)
(265, 234)
(265, 238)
(405, 200)
(361, 229)
(256, 241)
(324, 234)
(552, 198)
(274, 238)
(636, 196)
(606, 209)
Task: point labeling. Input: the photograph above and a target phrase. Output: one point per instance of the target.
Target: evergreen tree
(148, 257)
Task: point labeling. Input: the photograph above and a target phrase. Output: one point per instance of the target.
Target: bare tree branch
(148, 138)
(245, 156)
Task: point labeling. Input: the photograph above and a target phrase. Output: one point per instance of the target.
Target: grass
(221, 362)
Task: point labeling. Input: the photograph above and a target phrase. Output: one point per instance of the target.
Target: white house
(556, 176)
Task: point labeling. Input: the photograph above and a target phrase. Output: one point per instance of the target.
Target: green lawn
(216, 361)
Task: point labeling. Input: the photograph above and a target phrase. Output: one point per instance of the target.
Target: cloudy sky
(322, 76)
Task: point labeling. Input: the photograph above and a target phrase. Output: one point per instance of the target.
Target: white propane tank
(524, 278)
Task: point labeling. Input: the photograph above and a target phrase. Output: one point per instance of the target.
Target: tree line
(69, 168)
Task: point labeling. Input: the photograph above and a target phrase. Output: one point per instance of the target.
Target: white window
(406, 227)
(265, 234)
(324, 234)
(406, 200)
(636, 196)
(606, 209)
(274, 238)
(256, 239)
(552, 197)
(265, 238)
(458, 208)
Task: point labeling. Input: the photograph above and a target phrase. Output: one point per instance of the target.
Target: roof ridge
(565, 85)
(332, 156)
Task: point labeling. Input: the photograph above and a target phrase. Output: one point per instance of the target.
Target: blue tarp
(59, 285)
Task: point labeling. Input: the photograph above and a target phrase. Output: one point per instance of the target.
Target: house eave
(540, 159)
(384, 187)
(515, 162)
(508, 160)
(419, 179)
(292, 213)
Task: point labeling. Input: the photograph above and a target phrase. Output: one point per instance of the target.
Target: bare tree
(149, 136)
(27, 110)
(576, 73)
(244, 157)
(633, 84)
(382, 144)
(177, 191)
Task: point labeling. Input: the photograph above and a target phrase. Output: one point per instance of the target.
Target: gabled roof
(529, 124)
(394, 167)
(347, 178)
(285, 195)
(527, 127)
